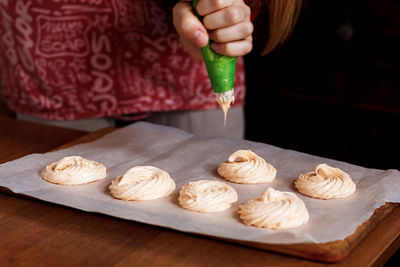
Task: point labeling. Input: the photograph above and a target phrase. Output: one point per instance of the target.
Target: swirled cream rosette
(326, 183)
(245, 167)
(274, 210)
(73, 170)
(207, 196)
(142, 183)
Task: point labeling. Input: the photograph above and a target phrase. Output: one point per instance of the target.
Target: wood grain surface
(19, 138)
(36, 233)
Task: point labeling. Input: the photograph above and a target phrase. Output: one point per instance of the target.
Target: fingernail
(200, 38)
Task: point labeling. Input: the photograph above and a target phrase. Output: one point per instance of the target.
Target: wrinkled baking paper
(189, 158)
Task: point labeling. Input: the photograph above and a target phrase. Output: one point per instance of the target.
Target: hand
(226, 23)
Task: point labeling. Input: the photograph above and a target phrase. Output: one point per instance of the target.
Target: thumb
(188, 25)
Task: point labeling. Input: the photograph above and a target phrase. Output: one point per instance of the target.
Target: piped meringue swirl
(207, 196)
(142, 183)
(245, 167)
(326, 183)
(73, 170)
(274, 210)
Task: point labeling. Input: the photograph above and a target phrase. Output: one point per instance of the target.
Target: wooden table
(37, 233)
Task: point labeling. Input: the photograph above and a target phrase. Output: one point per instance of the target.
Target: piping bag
(221, 71)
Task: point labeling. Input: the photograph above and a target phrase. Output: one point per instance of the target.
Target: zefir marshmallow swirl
(274, 210)
(326, 183)
(142, 183)
(207, 196)
(245, 167)
(73, 170)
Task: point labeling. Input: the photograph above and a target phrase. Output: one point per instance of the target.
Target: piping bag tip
(225, 100)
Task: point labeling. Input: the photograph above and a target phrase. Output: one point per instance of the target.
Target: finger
(205, 7)
(188, 26)
(193, 50)
(238, 48)
(226, 17)
(234, 33)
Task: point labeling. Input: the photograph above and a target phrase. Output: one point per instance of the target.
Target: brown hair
(282, 16)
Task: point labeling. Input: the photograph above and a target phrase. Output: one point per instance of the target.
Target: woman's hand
(226, 23)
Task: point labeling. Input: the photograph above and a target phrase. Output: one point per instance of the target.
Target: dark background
(333, 89)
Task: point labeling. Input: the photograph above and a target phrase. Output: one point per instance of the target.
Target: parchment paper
(189, 158)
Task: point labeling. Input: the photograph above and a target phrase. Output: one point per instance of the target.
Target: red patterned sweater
(77, 59)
